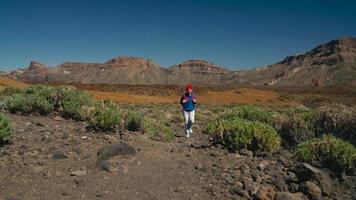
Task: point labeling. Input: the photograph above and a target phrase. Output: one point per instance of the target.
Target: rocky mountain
(328, 64)
(332, 63)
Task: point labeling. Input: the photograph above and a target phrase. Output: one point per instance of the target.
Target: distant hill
(332, 63)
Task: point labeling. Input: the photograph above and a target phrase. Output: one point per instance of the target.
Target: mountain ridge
(327, 64)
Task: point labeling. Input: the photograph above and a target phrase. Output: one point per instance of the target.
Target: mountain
(124, 70)
(328, 64)
(332, 63)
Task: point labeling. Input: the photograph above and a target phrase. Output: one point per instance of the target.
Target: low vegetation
(242, 133)
(158, 129)
(295, 125)
(68, 101)
(329, 151)
(5, 127)
(249, 112)
(73, 103)
(133, 120)
(106, 116)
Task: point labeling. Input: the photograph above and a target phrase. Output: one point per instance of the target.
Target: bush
(249, 112)
(329, 151)
(338, 120)
(68, 101)
(106, 116)
(35, 99)
(295, 125)
(133, 121)
(72, 103)
(5, 127)
(241, 133)
(43, 92)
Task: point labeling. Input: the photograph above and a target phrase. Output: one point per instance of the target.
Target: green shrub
(44, 92)
(68, 101)
(249, 112)
(133, 120)
(5, 127)
(338, 120)
(295, 125)
(106, 116)
(17, 103)
(27, 104)
(35, 99)
(72, 103)
(242, 133)
(330, 151)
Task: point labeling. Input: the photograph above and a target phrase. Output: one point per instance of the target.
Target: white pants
(189, 120)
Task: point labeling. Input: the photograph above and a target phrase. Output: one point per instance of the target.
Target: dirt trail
(54, 158)
(159, 171)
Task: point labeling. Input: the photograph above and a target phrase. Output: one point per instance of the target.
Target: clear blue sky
(232, 33)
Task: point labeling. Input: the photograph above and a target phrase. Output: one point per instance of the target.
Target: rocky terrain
(333, 63)
(54, 158)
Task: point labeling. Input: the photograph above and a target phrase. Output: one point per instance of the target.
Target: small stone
(58, 118)
(312, 190)
(229, 180)
(59, 156)
(265, 193)
(79, 172)
(239, 191)
(258, 179)
(12, 198)
(261, 166)
(38, 169)
(65, 136)
(248, 184)
(289, 196)
(200, 167)
(246, 152)
(280, 183)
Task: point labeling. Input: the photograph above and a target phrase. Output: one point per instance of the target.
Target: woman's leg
(192, 120)
(186, 122)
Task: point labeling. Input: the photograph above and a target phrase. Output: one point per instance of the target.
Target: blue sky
(232, 33)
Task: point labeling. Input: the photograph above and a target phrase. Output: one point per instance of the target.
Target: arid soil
(53, 158)
(209, 98)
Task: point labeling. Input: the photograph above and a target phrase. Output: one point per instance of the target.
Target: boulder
(111, 150)
(306, 172)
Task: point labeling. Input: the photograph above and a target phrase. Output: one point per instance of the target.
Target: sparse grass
(5, 127)
(330, 151)
(8, 90)
(157, 129)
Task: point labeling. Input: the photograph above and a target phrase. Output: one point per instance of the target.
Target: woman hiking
(188, 102)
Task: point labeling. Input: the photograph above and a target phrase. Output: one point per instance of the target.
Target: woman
(188, 102)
